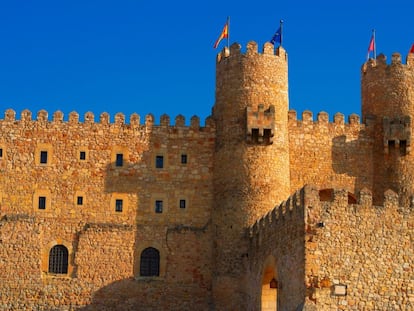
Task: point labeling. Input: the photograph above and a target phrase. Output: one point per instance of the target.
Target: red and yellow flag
(224, 34)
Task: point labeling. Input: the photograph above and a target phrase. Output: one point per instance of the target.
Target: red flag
(224, 34)
(412, 49)
(371, 47)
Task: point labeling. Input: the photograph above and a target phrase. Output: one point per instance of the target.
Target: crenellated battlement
(293, 206)
(380, 63)
(322, 120)
(42, 118)
(305, 207)
(268, 49)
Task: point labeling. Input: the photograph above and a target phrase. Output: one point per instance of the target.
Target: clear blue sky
(157, 56)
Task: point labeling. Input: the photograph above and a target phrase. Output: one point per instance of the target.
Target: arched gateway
(269, 285)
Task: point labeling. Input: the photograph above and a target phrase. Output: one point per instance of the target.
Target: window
(159, 161)
(58, 259)
(150, 262)
(82, 155)
(1, 153)
(182, 203)
(80, 200)
(267, 134)
(42, 203)
(119, 159)
(43, 157)
(403, 147)
(255, 135)
(158, 206)
(118, 205)
(183, 159)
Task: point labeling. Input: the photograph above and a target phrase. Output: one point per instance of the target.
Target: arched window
(150, 262)
(58, 259)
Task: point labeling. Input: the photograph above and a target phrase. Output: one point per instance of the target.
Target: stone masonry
(256, 209)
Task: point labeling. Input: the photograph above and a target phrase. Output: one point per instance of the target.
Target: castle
(256, 210)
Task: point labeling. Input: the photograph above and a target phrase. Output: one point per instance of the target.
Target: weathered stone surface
(260, 210)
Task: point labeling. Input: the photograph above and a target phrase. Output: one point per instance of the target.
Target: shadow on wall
(147, 295)
(147, 194)
(353, 158)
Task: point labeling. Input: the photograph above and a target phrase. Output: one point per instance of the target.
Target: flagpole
(281, 31)
(228, 32)
(375, 44)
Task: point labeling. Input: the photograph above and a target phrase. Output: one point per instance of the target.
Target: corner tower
(251, 161)
(388, 104)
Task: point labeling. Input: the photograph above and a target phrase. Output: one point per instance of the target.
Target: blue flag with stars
(277, 37)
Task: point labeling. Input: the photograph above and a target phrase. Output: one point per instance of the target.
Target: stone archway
(269, 285)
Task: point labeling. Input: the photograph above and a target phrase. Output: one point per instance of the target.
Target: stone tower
(388, 106)
(251, 161)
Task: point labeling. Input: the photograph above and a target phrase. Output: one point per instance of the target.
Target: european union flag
(277, 37)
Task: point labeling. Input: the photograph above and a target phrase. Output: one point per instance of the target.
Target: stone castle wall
(367, 248)
(319, 240)
(220, 237)
(277, 250)
(334, 154)
(105, 245)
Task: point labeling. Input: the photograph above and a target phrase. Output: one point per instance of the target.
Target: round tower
(251, 162)
(388, 105)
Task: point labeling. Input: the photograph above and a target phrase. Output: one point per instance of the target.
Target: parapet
(284, 212)
(322, 120)
(104, 120)
(299, 207)
(381, 62)
(252, 50)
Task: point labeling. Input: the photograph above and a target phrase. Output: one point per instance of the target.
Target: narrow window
(118, 205)
(1, 153)
(119, 159)
(183, 159)
(182, 203)
(82, 155)
(58, 259)
(43, 157)
(255, 135)
(403, 147)
(150, 262)
(159, 161)
(158, 206)
(391, 147)
(266, 135)
(42, 203)
(80, 200)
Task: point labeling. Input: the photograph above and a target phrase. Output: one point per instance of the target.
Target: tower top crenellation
(381, 62)
(251, 50)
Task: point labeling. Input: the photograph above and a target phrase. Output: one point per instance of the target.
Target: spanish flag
(224, 34)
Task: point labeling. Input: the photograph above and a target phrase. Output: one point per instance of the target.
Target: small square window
(159, 161)
(79, 200)
(182, 204)
(42, 202)
(158, 206)
(119, 159)
(82, 155)
(118, 205)
(1, 153)
(183, 159)
(43, 157)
